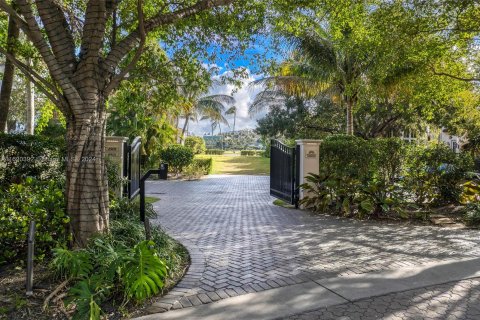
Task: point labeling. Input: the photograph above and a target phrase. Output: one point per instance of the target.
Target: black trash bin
(163, 171)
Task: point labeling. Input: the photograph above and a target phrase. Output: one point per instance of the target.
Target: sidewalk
(348, 294)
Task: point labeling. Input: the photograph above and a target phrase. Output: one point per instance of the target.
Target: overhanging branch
(122, 48)
(454, 76)
(141, 30)
(39, 82)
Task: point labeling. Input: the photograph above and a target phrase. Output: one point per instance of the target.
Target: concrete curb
(190, 280)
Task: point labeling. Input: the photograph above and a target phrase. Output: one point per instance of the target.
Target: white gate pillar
(308, 160)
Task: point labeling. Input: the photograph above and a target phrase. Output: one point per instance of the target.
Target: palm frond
(267, 99)
(220, 98)
(231, 110)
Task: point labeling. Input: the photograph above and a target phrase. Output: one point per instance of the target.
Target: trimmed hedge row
(214, 151)
(252, 153)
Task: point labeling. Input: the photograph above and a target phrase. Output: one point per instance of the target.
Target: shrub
(247, 152)
(103, 269)
(205, 164)
(379, 176)
(435, 173)
(118, 265)
(471, 192)
(40, 201)
(214, 151)
(266, 153)
(346, 156)
(198, 168)
(30, 156)
(196, 144)
(177, 157)
(472, 214)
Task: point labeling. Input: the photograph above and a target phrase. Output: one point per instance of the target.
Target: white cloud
(243, 96)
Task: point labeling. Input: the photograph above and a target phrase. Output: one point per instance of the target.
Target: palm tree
(212, 105)
(215, 113)
(232, 110)
(318, 67)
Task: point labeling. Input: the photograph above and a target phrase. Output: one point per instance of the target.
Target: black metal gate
(283, 172)
(132, 168)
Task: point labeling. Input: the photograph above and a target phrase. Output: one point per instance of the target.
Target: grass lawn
(233, 163)
(147, 199)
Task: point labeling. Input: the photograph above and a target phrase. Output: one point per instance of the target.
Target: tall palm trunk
(7, 82)
(177, 123)
(86, 184)
(187, 117)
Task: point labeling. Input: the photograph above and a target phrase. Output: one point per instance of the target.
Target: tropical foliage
(118, 265)
(36, 201)
(384, 176)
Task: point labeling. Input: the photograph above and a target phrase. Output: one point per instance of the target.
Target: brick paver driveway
(240, 242)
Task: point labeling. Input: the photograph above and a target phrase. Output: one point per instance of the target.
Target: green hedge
(30, 156)
(379, 176)
(205, 165)
(247, 152)
(198, 168)
(214, 151)
(252, 153)
(177, 157)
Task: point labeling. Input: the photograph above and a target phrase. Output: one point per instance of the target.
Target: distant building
(213, 142)
(453, 141)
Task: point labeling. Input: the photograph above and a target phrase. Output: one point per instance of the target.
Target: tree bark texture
(87, 185)
(8, 74)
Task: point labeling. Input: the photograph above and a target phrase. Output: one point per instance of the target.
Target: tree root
(54, 293)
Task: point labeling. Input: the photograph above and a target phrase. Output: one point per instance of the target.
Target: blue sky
(243, 95)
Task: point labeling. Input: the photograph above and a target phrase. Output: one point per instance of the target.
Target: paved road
(240, 242)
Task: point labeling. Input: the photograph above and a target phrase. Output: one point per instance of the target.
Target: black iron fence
(283, 172)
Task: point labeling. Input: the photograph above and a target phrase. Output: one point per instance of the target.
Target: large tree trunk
(7, 82)
(87, 185)
(349, 117)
